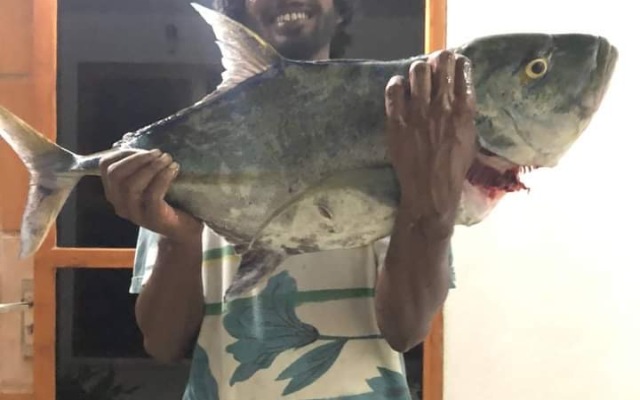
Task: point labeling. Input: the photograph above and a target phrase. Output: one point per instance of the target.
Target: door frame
(50, 257)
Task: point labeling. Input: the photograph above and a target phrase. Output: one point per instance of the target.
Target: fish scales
(240, 156)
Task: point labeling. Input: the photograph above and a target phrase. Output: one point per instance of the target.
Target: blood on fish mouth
(493, 180)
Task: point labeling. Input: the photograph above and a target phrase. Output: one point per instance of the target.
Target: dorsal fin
(244, 53)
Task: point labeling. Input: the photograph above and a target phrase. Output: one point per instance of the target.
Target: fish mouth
(605, 60)
(496, 175)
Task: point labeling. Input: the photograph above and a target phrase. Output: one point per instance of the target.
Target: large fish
(287, 157)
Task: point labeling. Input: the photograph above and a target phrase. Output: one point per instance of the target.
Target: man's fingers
(121, 169)
(464, 90)
(444, 77)
(395, 100)
(138, 182)
(106, 162)
(110, 159)
(420, 81)
(115, 169)
(157, 189)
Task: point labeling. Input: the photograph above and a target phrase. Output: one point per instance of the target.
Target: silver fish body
(289, 157)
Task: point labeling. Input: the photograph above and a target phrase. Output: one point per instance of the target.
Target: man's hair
(341, 39)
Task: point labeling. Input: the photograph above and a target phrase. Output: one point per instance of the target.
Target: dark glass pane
(114, 99)
(101, 301)
(99, 350)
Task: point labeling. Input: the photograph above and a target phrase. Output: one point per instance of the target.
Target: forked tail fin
(52, 179)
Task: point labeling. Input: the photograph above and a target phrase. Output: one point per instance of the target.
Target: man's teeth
(296, 16)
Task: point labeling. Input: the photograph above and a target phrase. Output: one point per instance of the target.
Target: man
(327, 325)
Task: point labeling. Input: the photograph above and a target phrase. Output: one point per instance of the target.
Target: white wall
(548, 298)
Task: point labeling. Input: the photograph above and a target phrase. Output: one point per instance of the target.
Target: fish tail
(51, 178)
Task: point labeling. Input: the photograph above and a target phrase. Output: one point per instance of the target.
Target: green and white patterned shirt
(309, 332)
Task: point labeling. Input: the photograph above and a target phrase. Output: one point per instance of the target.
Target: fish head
(536, 94)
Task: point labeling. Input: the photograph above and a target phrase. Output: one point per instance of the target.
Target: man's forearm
(415, 280)
(170, 307)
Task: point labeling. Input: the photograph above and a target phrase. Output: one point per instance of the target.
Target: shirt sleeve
(144, 260)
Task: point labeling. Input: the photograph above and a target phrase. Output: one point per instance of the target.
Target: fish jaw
(476, 203)
(488, 180)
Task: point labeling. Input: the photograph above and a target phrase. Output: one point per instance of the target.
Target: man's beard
(308, 46)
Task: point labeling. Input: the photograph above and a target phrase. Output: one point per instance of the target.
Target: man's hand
(170, 307)
(432, 143)
(136, 184)
(432, 137)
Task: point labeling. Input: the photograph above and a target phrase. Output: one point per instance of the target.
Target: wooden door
(28, 81)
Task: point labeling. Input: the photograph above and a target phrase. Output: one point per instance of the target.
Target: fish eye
(536, 68)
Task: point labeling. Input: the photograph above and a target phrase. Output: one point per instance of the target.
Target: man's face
(298, 29)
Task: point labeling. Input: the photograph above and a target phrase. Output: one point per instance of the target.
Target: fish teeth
(526, 168)
(293, 16)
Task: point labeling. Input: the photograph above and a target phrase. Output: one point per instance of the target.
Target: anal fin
(256, 266)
